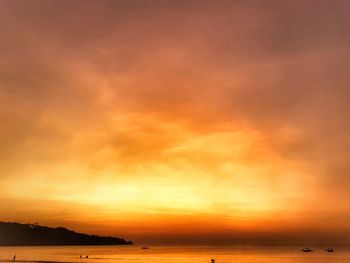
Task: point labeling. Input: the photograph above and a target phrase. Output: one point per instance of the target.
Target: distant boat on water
(330, 249)
(144, 247)
(307, 249)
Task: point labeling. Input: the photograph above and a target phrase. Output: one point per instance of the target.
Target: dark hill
(15, 234)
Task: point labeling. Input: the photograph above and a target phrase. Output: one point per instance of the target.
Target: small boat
(144, 247)
(330, 249)
(307, 249)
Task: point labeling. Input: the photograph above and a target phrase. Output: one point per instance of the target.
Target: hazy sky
(177, 121)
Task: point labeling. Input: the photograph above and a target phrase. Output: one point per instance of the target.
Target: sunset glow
(177, 121)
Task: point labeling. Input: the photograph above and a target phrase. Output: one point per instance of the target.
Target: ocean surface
(180, 254)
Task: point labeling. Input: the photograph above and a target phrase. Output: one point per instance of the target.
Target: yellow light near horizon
(219, 172)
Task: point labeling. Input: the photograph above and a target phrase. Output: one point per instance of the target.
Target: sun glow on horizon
(209, 120)
(204, 172)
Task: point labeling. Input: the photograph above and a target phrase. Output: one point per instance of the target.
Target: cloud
(219, 95)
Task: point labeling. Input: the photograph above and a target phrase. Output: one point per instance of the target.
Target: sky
(163, 121)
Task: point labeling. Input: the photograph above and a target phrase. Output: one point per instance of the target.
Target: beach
(171, 254)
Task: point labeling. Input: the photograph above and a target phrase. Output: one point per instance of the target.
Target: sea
(173, 254)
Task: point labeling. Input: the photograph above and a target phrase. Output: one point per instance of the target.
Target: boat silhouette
(307, 249)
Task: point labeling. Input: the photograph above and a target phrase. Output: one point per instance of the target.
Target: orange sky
(177, 121)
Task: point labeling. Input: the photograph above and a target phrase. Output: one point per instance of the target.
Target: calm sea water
(135, 254)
